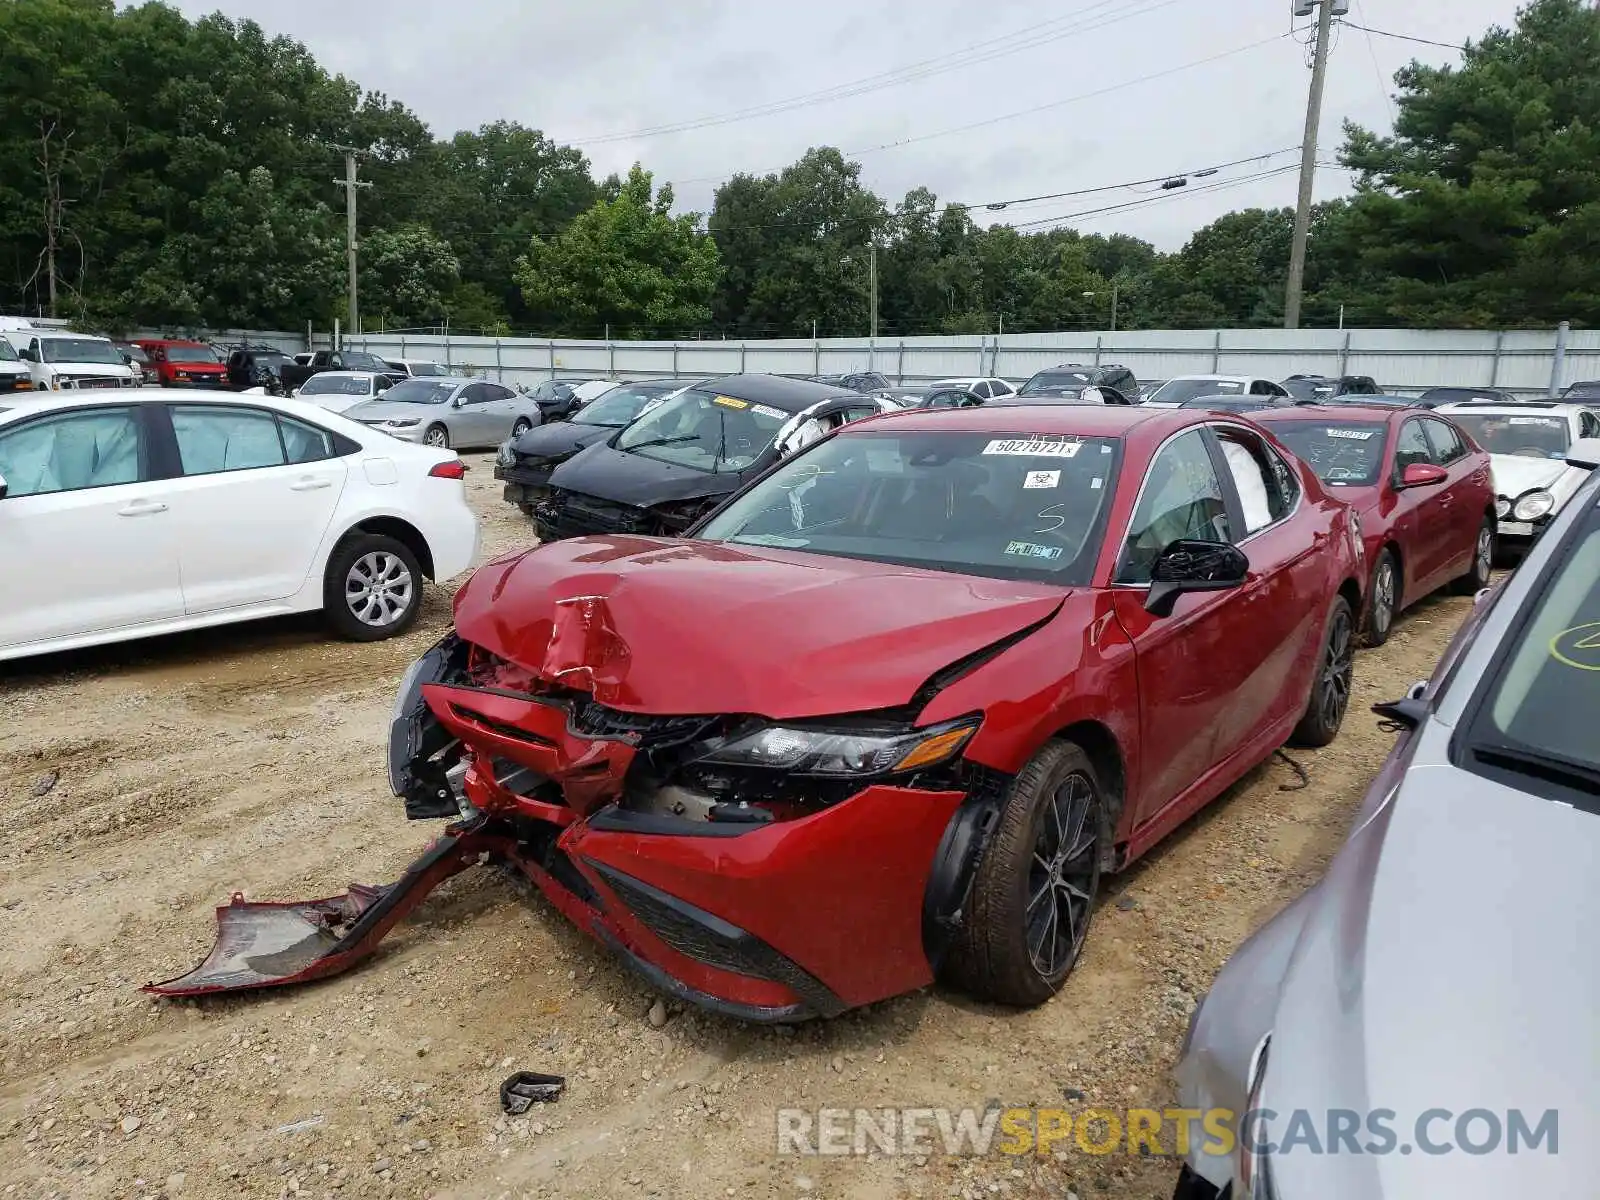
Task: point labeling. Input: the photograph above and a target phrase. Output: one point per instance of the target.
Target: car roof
(13, 407)
(791, 395)
(1080, 420)
(1217, 378)
(1517, 408)
(168, 342)
(350, 375)
(1335, 412)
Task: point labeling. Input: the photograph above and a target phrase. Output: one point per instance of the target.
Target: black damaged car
(525, 463)
(681, 459)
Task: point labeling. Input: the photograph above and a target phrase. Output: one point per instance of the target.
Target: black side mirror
(1193, 566)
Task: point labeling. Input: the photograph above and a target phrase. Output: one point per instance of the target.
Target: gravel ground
(251, 759)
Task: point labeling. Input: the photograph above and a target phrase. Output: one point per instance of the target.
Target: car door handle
(141, 508)
(310, 484)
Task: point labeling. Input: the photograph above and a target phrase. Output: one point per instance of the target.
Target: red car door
(1419, 516)
(1276, 626)
(1188, 668)
(1467, 494)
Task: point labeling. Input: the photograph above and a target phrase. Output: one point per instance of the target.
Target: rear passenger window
(1181, 498)
(71, 452)
(304, 443)
(212, 440)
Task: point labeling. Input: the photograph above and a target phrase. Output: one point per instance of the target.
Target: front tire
(1483, 555)
(372, 588)
(1035, 887)
(1330, 686)
(438, 437)
(1383, 600)
(521, 427)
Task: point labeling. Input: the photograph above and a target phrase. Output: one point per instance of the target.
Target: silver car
(1421, 1023)
(462, 414)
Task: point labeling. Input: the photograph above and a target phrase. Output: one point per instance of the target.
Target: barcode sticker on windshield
(1354, 435)
(1030, 448)
(1042, 479)
(777, 414)
(1532, 420)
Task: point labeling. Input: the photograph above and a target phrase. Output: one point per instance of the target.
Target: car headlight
(802, 751)
(1502, 508)
(1533, 506)
(402, 422)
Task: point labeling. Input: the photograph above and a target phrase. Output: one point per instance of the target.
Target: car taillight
(454, 469)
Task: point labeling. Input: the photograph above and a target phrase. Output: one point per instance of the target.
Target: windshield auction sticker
(1042, 479)
(1032, 448)
(730, 402)
(1578, 647)
(1353, 435)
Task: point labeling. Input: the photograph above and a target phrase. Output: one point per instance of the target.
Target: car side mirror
(26, 355)
(1193, 566)
(1423, 475)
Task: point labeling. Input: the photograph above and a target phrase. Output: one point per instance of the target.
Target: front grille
(707, 938)
(573, 514)
(95, 381)
(589, 719)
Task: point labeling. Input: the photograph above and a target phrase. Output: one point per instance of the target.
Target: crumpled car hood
(559, 439)
(672, 627)
(642, 481)
(1515, 474)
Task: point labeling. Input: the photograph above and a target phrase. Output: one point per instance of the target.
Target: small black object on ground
(523, 1090)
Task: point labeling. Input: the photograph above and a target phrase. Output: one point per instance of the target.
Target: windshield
(1055, 381)
(705, 431)
(357, 361)
(427, 369)
(1342, 453)
(1585, 391)
(79, 350)
(969, 503)
(1528, 437)
(419, 391)
(8, 352)
(192, 354)
(1176, 391)
(616, 408)
(1309, 389)
(336, 385)
(1460, 395)
(1536, 720)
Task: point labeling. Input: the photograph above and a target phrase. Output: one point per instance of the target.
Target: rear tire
(1034, 891)
(1483, 558)
(372, 588)
(1330, 686)
(1383, 602)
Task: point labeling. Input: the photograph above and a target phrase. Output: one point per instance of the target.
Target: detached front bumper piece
(261, 945)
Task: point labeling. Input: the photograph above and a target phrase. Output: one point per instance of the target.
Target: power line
(1372, 51)
(1146, 201)
(1404, 37)
(979, 52)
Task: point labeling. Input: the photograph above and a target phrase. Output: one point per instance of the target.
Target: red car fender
(1079, 669)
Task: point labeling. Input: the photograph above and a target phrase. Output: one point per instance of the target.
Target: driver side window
(1182, 498)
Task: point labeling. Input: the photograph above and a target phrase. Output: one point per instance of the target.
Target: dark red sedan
(1423, 491)
(892, 709)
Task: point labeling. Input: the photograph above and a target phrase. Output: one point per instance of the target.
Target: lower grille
(572, 514)
(596, 720)
(706, 938)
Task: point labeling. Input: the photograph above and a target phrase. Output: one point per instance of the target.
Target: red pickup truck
(184, 364)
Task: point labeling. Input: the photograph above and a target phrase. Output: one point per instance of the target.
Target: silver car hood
(1516, 474)
(1448, 963)
(381, 410)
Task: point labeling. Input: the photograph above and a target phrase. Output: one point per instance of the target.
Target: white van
(58, 359)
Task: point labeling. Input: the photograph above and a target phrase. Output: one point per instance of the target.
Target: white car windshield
(970, 503)
(337, 385)
(617, 407)
(1176, 391)
(1527, 437)
(79, 350)
(8, 352)
(705, 431)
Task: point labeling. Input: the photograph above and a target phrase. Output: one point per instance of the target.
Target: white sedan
(128, 515)
(1175, 392)
(984, 387)
(337, 391)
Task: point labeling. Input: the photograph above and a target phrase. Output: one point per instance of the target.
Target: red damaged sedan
(888, 714)
(1421, 487)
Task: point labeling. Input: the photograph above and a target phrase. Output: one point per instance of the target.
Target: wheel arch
(401, 530)
(1100, 744)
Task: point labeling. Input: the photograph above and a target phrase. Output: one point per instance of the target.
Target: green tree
(407, 273)
(627, 263)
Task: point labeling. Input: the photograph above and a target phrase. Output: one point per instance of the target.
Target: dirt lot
(252, 759)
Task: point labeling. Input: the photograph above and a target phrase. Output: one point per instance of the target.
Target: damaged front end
(766, 870)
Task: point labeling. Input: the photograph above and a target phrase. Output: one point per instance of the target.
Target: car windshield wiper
(671, 441)
(1544, 766)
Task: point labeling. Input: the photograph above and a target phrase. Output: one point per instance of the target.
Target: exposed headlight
(507, 456)
(1502, 508)
(1533, 506)
(839, 752)
(402, 422)
(1255, 1171)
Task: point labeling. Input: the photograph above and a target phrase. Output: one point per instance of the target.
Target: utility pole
(1308, 155)
(872, 275)
(350, 184)
(1116, 291)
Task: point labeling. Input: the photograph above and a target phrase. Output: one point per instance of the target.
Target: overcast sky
(604, 68)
